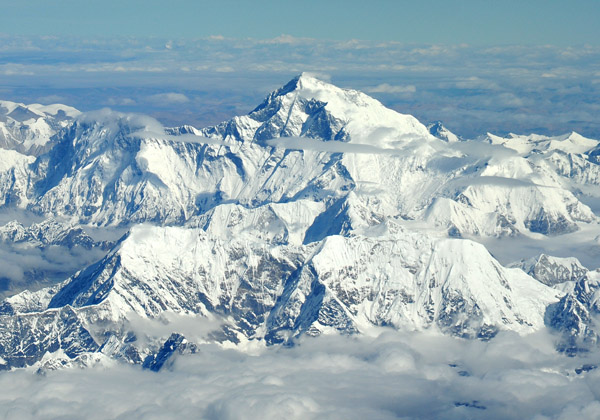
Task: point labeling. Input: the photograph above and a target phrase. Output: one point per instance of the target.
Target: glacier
(321, 212)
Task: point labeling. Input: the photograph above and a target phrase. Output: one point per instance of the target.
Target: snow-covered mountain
(28, 129)
(438, 130)
(272, 290)
(308, 107)
(49, 232)
(552, 270)
(575, 315)
(319, 212)
(309, 140)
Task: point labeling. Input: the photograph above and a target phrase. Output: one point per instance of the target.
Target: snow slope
(28, 129)
(307, 140)
(273, 291)
(319, 212)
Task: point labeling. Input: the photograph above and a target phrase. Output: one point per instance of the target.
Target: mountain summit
(309, 107)
(319, 212)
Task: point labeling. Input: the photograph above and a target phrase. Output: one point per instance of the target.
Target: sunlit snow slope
(319, 212)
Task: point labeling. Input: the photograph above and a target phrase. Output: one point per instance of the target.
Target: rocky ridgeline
(320, 212)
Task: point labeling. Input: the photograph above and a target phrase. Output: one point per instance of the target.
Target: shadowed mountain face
(319, 212)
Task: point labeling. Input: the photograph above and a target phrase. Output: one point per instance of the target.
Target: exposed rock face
(274, 290)
(26, 338)
(575, 315)
(320, 212)
(115, 169)
(552, 270)
(438, 130)
(49, 232)
(29, 129)
(176, 344)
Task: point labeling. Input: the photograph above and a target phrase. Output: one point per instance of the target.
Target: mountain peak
(305, 85)
(309, 107)
(304, 80)
(437, 129)
(568, 143)
(28, 129)
(307, 80)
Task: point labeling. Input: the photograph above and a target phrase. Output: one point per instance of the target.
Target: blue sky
(479, 22)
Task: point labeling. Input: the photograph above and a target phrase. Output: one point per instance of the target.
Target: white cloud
(31, 268)
(158, 133)
(433, 50)
(305, 143)
(224, 69)
(286, 39)
(319, 75)
(474, 82)
(451, 83)
(353, 44)
(51, 99)
(393, 375)
(11, 69)
(124, 101)
(387, 88)
(169, 98)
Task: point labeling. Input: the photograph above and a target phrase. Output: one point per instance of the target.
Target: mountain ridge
(319, 212)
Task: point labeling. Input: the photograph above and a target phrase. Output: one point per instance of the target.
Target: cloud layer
(392, 375)
(203, 81)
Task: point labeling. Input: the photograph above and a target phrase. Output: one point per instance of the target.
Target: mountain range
(320, 212)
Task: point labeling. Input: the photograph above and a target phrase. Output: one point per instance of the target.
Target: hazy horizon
(472, 89)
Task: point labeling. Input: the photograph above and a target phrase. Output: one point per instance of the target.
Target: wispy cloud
(169, 98)
(33, 268)
(157, 133)
(51, 99)
(475, 82)
(305, 143)
(120, 101)
(224, 69)
(287, 40)
(387, 88)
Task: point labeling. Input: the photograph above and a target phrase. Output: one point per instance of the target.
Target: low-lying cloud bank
(473, 89)
(33, 268)
(394, 375)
